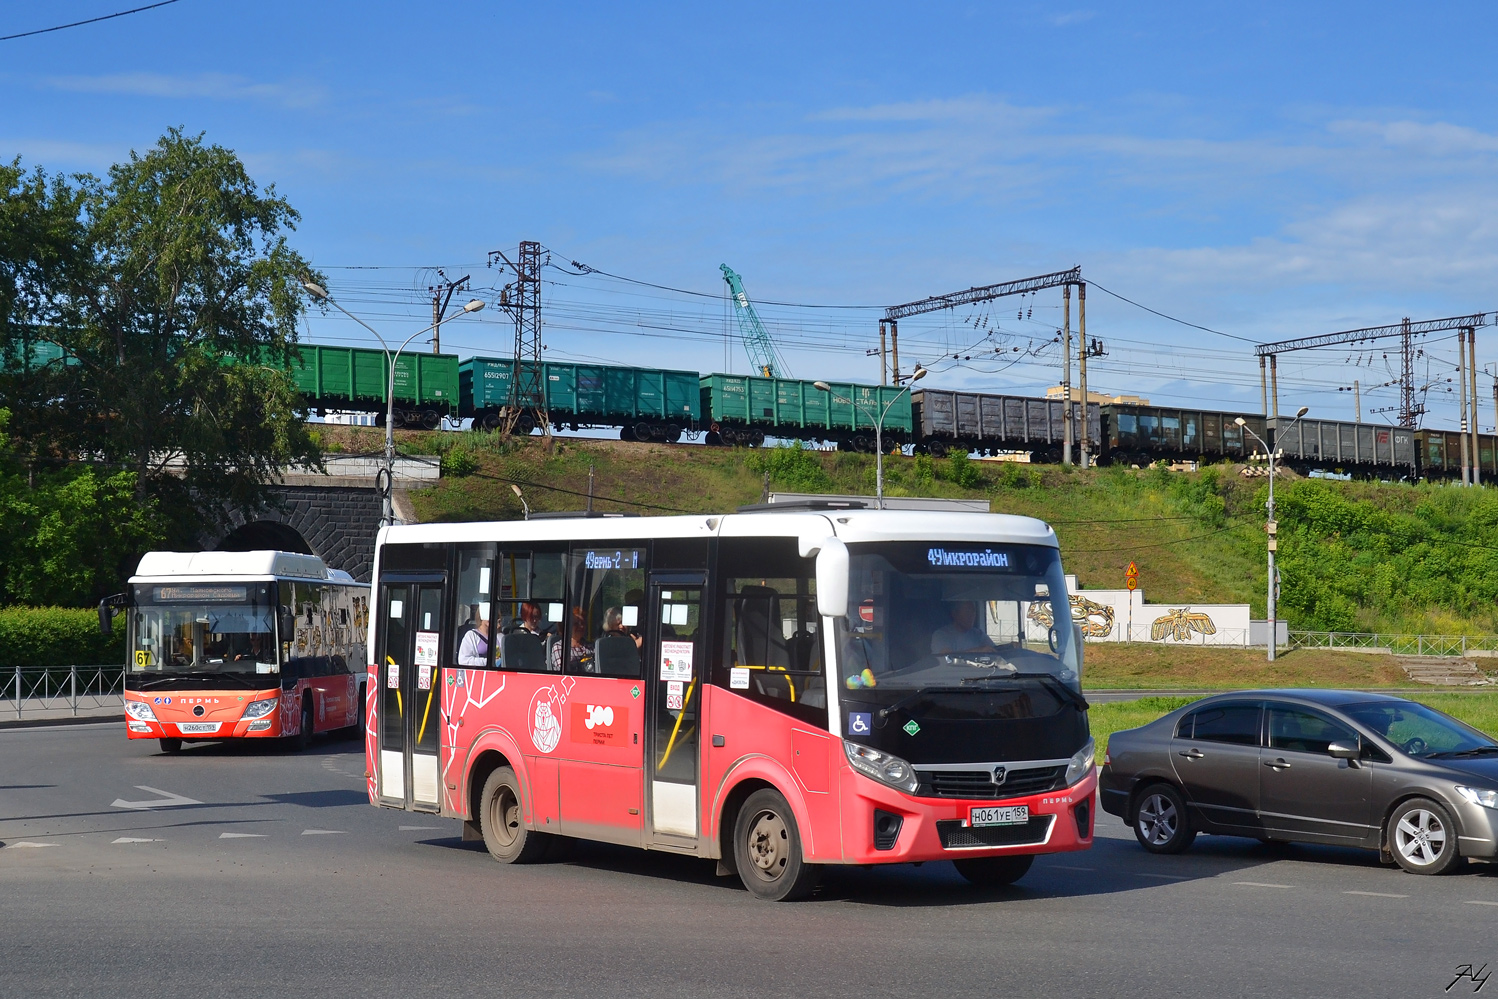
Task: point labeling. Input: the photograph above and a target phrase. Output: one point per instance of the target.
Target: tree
(178, 324)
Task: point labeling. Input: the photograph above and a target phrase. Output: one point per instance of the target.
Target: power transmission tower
(1409, 410)
(522, 299)
(442, 294)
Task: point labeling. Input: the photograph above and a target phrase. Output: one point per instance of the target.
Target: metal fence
(58, 688)
(1399, 645)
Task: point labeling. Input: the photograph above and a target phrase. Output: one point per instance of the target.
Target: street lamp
(1271, 526)
(521, 497)
(916, 376)
(317, 291)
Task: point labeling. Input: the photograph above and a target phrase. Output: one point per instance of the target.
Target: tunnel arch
(265, 535)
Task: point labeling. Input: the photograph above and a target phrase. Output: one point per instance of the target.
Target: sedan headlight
(140, 711)
(1479, 796)
(1080, 765)
(883, 767)
(259, 709)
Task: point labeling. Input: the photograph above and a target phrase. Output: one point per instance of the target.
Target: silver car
(1312, 766)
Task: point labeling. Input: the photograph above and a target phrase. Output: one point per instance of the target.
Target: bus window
(473, 628)
(608, 593)
(772, 645)
(530, 611)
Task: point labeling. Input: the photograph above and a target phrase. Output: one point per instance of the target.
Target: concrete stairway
(1449, 671)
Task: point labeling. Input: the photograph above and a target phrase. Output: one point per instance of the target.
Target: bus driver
(962, 636)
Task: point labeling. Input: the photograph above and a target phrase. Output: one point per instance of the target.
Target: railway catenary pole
(883, 356)
(894, 346)
(1461, 377)
(387, 486)
(1274, 388)
(442, 296)
(1082, 366)
(1472, 397)
(1066, 433)
(1271, 526)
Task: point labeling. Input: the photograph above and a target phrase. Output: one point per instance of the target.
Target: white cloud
(202, 86)
(1072, 17)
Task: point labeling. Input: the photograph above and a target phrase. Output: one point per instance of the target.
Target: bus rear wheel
(993, 871)
(505, 834)
(304, 734)
(767, 850)
(171, 746)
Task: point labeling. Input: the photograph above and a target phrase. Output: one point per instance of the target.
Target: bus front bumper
(882, 825)
(171, 721)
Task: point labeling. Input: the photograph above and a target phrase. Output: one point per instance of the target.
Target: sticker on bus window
(426, 648)
(393, 676)
(631, 617)
(676, 660)
(738, 678)
(423, 676)
(674, 694)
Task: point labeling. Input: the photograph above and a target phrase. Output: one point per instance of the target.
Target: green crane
(757, 340)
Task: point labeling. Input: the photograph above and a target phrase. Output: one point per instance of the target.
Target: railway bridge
(334, 515)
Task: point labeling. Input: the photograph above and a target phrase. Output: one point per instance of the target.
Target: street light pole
(916, 376)
(1271, 525)
(387, 499)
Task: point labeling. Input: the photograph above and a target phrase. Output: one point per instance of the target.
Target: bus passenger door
(410, 692)
(673, 682)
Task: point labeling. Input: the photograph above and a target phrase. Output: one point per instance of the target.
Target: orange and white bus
(228, 645)
(778, 689)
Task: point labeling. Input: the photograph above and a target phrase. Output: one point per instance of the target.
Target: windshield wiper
(202, 677)
(1054, 683)
(1453, 753)
(910, 699)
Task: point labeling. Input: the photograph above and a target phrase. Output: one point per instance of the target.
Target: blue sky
(1269, 170)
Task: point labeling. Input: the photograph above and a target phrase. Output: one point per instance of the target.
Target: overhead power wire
(91, 20)
(1146, 308)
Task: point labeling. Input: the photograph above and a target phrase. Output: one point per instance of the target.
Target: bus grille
(979, 783)
(956, 836)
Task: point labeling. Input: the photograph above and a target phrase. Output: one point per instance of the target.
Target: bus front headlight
(259, 709)
(883, 767)
(1080, 764)
(140, 711)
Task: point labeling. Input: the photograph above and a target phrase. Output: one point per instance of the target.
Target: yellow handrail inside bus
(671, 743)
(424, 717)
(778, 669)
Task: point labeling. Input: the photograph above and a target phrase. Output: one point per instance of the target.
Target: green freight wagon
(356, 379)
(749, 408)
(1440, 454)
(645, 403)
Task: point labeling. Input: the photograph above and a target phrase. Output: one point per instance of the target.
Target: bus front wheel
(767, 849)
(994, 871)
(171, 746)
(505, 834)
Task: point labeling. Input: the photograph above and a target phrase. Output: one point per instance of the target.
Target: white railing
(1400, 645)
(57, 688)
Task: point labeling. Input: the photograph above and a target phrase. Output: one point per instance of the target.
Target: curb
(48, 722)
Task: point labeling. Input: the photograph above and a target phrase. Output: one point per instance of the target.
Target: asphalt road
(274, 876)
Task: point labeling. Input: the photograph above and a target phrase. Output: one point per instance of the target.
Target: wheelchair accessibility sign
(860, 722)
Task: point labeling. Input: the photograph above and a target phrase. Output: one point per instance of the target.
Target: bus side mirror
(832, 579)
(288, 625)
(1076, 635)
(107, 610)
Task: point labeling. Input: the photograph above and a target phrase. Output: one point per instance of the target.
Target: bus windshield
(955, 615)
(210, 628)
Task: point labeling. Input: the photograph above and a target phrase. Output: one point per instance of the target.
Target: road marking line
(323, 832)
(421, 828)
(23, 844)
(241, 835)
(1470, 901)
(1375, 894)
(167, 799)
(133, 839)
(1054, 867)
(1260, 884)
(1168, 877)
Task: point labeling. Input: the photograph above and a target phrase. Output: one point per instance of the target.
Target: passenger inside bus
(579, 653)
(617, 652)
(962, 635)
(473, 648)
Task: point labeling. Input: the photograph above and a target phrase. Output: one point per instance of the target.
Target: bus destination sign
(971, 558)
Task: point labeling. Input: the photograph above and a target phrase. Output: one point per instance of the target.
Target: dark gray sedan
(1312, 766)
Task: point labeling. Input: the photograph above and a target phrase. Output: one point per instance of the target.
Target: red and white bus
(779, 689)
(228, 645)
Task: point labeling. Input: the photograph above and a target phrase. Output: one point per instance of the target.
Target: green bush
(796, 468)
(459, 462)
(57, 636)
(963, 471)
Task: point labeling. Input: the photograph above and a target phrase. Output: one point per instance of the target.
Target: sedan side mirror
(1344, 750)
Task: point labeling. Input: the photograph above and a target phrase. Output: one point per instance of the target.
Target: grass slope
(1354, 556)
